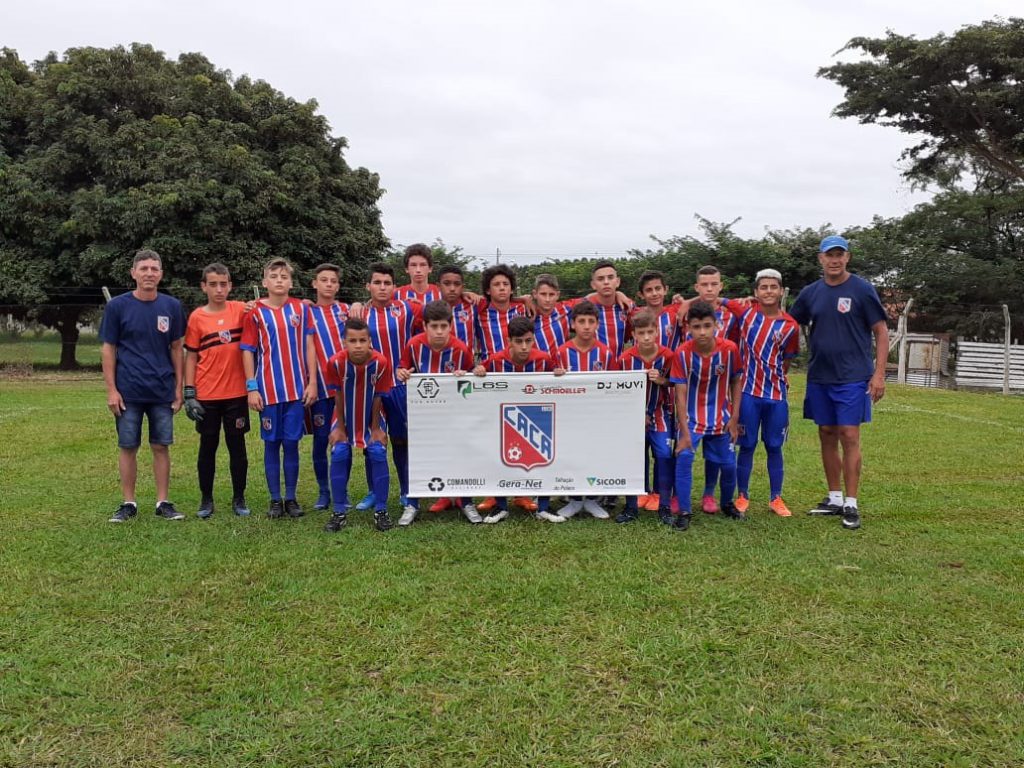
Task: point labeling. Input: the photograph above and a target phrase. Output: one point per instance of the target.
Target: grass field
(239, 642)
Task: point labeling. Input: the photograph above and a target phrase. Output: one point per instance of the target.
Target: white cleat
(549, 516)
(570, 509)
(409, 513)
(595, 509)
(471, 514)
(497, 517)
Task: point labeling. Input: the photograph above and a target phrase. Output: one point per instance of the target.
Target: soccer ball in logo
(436, 484)
(514, 454)
(527, 434)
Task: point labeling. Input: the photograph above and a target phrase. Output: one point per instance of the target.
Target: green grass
(31, 351)
(771, 643)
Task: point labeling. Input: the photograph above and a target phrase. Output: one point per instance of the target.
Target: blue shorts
(661, 447)
(283, 421)
(396, 412)
(717, 448)
(769, 417)
(319, 417)
(129, 424)
(837, 405)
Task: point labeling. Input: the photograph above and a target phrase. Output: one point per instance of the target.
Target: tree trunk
(67, 324)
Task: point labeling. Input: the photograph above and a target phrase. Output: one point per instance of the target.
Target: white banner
(527, 434)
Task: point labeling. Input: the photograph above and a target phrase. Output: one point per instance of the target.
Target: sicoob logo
(527, 434)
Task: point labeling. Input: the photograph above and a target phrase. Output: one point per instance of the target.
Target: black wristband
(190, 393)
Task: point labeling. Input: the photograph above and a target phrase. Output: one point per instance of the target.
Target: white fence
(984, 365)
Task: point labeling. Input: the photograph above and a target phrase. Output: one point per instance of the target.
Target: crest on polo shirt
(163, 323)
(720, 369)
(461, 314)
(395, 310)
(449, 367)
(342, 316)
(224, 336)
(294, 320)
(598, 365)
(845, 304)
(527, 434)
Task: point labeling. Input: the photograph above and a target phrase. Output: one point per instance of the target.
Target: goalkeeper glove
(193, 409)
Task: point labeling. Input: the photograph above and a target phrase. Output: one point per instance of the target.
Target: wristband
(190, 393)
(252, 385)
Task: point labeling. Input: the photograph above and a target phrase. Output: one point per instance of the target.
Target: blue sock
(684, 479)
(775, 471)
(272, 467)
(341, 468)
(631, 504)
(376, 456)
(663, 474)
(728, 474)
(744, 468)
(543, 503)
(368, 472)
(291, 467)
(710, 477)
(503, 503)
(320, 461)
(400, 455)
(649, 484)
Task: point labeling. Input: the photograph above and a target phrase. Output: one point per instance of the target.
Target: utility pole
(497, 255)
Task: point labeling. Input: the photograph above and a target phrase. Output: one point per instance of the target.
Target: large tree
(103, 151)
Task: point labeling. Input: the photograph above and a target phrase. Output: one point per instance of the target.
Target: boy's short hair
(546, 278)
(451, 269)
(644, 319)
(216, 268)
(494, 271)
(603, 264)
(380, 268)
(437, 311)
(418, 249)
(519, 326)
(278, 263)
(147, 254)
(708, 269)
(356, 324)
(767, 274)
(649, 275)
(326, 267)
(584, 309)
(700, 310)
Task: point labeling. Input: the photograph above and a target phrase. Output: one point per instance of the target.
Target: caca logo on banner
(527, 434)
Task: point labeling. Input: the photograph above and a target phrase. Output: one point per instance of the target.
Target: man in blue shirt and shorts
(142, 335)
(843, 312)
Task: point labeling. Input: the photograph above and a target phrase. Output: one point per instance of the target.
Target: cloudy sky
(557, 128)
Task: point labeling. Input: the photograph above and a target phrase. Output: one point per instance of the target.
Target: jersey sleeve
(250, 331)
(792, 348)
(193, 335)
(417, 315)
(110, 325)
(463, 358)
(406, 360)
(383, 383)
(177, 321)
(308, 325)
(873, 309)
(801, 309)
(680, 370)
(735, 366)
(332, 375)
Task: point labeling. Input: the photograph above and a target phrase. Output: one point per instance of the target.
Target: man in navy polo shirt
(142, 367)
(843, 312)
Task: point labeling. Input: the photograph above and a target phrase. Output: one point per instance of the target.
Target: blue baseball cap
(834, 241)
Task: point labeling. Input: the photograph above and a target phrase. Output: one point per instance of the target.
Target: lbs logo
(527, 434)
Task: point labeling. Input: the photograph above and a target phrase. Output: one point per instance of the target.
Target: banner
(527, 434)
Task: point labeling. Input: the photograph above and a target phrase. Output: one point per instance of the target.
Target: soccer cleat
(336, 523)
(441, 505)
(166, 510)
(124, 513)
(681, 522)
(674, 505)
(743, 503)
(471, 514)
(826, 507)
(665, 515)
(409, 512)
(291, 506)
(851, 518)
(627, 515)
(497, 517)
(570, 509)
(709, 505)
(382, 520)
(551, 517)
(323, 501)
(653, 501)
(369, 502)
(641, 501)
(205, 509)
(239, 507)
(276, 510)
(525, 503)
(487, 504)
(595, 509)
(776, 505)
(730, 511)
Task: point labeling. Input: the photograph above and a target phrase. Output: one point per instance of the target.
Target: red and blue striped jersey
(597, 358)
(408, 293)
(768, 342)
(329, 327)
(418, 357)
(614, 329)
(659, 396)
(463, 322)
(669, 333)
(552, 331)
(537, 362)
(707, 379)
(360, 384)
(727, 326)
(391, 329)
(491, 326)
(277, 338)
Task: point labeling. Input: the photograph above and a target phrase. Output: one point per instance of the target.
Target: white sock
(851, 501)
(159, 503)
(132, 503)
(835, 497)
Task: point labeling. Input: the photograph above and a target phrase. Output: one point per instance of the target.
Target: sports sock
(775, 472)
(663, 474)
(238, 463)
(835, 497)
(710, 477)
(400, 456)
(132, 503)
(291, 468)
(851, 501)
(376, 456)
(744, 468)
(543, 503)
(340, 470)
(320, 461)
(684, 479)
(206, 463)
(728, 475)
(272, 467)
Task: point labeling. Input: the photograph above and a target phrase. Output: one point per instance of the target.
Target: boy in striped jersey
(770, 339)
(648, 354)
(708, 378)
(436, 350)
(551, 322)
(329, 317)
(452, 281)
(613, 327)
(418, 260)
(496, 309)
(279, 356)
(359, 377)
(215, 387)
(671, 319)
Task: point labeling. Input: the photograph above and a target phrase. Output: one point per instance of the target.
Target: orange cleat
(742, 503)
(652, 503)
(487, 505)
(525, 503)
(778, 506)
(441, 505)
(709, 505)
(641, 501)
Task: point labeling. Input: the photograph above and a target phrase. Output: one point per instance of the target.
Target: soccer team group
(716, 368)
